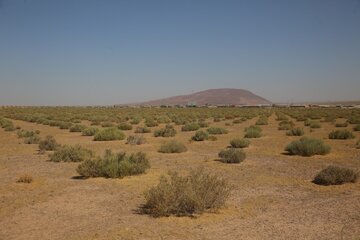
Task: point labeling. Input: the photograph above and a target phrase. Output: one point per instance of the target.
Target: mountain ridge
(213, 97)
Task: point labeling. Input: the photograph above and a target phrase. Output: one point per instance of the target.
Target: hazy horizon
(117, 52)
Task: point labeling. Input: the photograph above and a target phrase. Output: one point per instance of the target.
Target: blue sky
(74, 52)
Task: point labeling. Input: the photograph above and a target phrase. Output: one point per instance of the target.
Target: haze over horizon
(113, 52)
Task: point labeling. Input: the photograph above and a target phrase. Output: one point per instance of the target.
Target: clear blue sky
(92, 52)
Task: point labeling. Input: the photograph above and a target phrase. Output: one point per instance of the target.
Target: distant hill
(214, 97)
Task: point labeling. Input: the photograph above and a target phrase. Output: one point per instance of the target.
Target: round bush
(295, 132)
(231, 155)
(172, 147)
(168, 131)
(308, 147)
(334, 175)
(177, 195)
(200, 136)
(48, 144)
(190, 127)
(341, 134)
(253, 132)
(216, 130)
(71, 154)
(89, 131)
(239, 143)
(125, 126)
(109, 134)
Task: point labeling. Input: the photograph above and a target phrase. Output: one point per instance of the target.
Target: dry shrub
(295, 132)
(77, 128)
(125, 126)
(136, 140)
(190, 127)
(334, 175)
(113, 165)
(26, 178)
(200, 136)
(308, 147)
(68, 153)
(198, 192)
(217, 130)
(142, 130)
(341, 134)
(172, 146)
(168, 131)
(232, 155)
(48, 144)
(109, 134)
(89, 131)
(239, 143)
(253, 132)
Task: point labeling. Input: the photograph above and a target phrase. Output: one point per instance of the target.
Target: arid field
(272, 195)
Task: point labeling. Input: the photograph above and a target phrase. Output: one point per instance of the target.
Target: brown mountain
(215, 97)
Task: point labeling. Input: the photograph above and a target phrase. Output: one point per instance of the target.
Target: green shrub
(172, 146)
(113, 165)
(216, 130)
(168, 131)
(178, 195)
(25, 134)
(232, 155)
(203, 124)
(200, 136)
(125, 126)
(135, 140)
(142, 130)
(67, 153)
(77, 128)
(334, 175)
(109, 134)
(190, 127)
(286, 125)
(295, 132)
(35, 139)
(253, 132)
(341, 134)
(89, 131)
(307, 147)
(262, 121)
(151, 123)
(239, 143)
(65, 125)
(357, 127)
(345, 124)
(48, 144)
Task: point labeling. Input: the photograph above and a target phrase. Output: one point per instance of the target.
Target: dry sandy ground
(273, 196)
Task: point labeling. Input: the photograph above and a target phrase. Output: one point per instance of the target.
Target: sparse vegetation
(168, 131)
(308, 147)
(172, 146)
(334, 175)
(125, 126)
(253, 132)
(135, 140)
(295, 132)
(262, 121)
(77, 128)
(190, 127)
(67, 153)
(195, 193)
(357, 127)
(341, 134)
(239, 143)
(200, 136)
(345, 124)
(286, 125)
(231, 155)
(114, 165)
(217, 130)
(142, 130)
(26, 178)
(89, 131)
(109, 134)
(48, 144)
